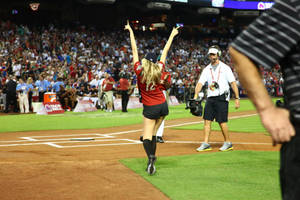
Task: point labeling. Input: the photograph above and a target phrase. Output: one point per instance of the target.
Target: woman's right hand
(127, 26)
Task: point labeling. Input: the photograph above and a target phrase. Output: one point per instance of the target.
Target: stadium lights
(158, 25)
(99, 1)
(159, 6)
(180, 1)
(213, 11)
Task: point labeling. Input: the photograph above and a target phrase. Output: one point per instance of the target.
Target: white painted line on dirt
(9, 145)
(134, 141)
(94, 145)
(182, 124)
(26, 144)
(195, 142)
(113, 144)
(105, 135)
(62, 139)
(85, 134)
(200, 122)
(61, 142)
(123, 132)
(53, 145)
(28, 138)
(93, 141)
(13, 141)
(45, 140)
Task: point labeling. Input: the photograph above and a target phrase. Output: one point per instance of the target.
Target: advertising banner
(50, 108)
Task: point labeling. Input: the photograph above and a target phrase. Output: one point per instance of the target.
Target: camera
(215, 85)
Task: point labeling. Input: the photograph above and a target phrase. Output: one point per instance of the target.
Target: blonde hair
(29, 80)
(151, 72)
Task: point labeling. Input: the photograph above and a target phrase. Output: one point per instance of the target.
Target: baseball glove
(195, 107)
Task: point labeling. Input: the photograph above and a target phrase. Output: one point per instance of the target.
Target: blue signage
(248, 5)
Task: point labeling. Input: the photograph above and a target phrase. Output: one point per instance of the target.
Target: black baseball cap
(151, 57)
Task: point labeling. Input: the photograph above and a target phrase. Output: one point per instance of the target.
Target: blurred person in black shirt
(82, 92)
(2, 96)
(93, 91)
(11, 94)
(67, 97)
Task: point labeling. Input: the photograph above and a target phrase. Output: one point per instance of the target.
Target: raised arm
(133, 43)
(168, 44)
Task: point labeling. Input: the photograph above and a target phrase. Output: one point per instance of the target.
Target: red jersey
(106, 85)
(168, 80)
(152, 95)
(124, 84)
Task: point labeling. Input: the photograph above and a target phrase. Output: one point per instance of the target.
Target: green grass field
(241, 175)
(245, 124)
(91, 120)
(238, 175)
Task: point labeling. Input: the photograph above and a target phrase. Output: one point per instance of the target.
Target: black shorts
(156, 111)
(290, 167)
(216, 108)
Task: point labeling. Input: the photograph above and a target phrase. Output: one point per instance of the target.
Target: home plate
(81, 139)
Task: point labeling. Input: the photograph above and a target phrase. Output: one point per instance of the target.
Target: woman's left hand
(127, 26)
(175, 31)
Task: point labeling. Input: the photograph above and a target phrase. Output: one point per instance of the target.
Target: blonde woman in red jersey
(154, 102)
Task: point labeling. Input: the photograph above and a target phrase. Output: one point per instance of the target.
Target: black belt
(216, 97)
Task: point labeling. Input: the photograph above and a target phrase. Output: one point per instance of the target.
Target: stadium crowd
(75, 61)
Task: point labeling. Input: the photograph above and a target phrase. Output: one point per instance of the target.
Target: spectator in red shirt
(107, 88)
(155, 107)
(123, 87)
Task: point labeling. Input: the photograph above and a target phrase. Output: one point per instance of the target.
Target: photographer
(67, 97)
(217, 74)
(107, 88)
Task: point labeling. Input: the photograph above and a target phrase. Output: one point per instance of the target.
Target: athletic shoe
(204, 147)
(151, 167)
(227, 146)
(159, 139)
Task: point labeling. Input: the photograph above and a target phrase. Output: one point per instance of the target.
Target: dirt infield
(49, 165)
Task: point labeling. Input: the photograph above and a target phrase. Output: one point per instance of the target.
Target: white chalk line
(234, 143)
(26, 139)
(101, 136)
(182, 124)
(53, 145)
(69, 141)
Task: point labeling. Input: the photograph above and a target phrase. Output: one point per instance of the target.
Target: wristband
(237, 98)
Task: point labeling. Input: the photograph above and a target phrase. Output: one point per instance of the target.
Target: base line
(53, 145)
(197, 142)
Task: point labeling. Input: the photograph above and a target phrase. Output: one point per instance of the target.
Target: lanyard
(212, 76)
